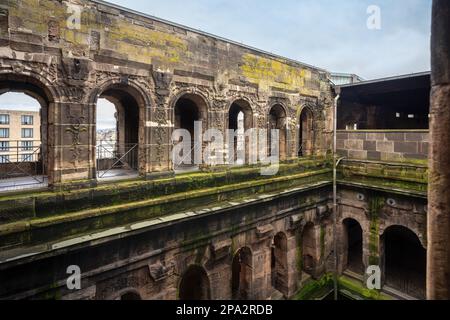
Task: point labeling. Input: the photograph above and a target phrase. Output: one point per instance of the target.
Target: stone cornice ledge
(27, 254)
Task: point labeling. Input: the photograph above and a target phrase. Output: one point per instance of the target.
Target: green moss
(93, 218)
(315, 289)
(357, 288)
(52, 293)
(322, 241)
(64, 201)
(376, 203)
(407, 177)
(299, 257)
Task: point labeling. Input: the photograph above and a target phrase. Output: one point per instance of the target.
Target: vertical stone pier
(438, 273)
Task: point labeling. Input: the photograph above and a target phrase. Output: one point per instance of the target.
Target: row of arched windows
(120, 131)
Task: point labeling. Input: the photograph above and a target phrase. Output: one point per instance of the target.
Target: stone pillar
(438, 273)
(261, 286)
(73, 136)
(342, 246)
(220, 281)
(160, 128)
(293, 271)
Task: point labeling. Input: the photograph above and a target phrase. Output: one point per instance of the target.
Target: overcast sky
(331, 34)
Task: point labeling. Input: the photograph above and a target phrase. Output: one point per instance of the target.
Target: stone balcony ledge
(23, 254)
(64, 225)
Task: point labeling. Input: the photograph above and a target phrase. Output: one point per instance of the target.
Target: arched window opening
(240, 120)
(404, 261)
(353, 246)
(305, 135)
(309, 249)
(277, 121)
(189, 109)
(279, 263)
(194, 284)
(117, 118)
(23, 136)
(242, 274)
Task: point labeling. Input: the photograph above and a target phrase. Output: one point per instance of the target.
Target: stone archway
(305, 133)
(241, 278)
(240, 119)
(30, 156)
(353, 246)
(277, 121)
(309, 248)
(188, 109)
(121, 154)
(404, 261)
(194, 284)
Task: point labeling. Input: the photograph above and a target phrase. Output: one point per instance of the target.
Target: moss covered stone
(358, 291)
(316, 289)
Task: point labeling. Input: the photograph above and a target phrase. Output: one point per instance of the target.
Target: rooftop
(393, 78)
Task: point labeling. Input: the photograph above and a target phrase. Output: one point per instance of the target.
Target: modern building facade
(345, 78)
(20, 136)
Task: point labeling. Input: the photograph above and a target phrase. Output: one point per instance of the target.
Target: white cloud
(105, 115)
(18, 102)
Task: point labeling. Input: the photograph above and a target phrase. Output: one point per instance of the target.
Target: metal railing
(181, 163)
(21, 164)
(112, 155)
(300, 151)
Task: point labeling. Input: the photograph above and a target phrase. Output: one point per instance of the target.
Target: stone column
(293, 271)
(220, 281)
(438, 273)
(261, 286)
(159, 132)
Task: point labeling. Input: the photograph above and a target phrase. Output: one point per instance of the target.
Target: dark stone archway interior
(308, 249)
(186, 113)
(355, 246)
(194, 285)
(241, 274)
(305, 133)
(277, 120)
(279, 263)
(405, 261)
(130, 296)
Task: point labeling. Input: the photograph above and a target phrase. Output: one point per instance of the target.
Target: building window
(4, 133)
(27, 157)
(4, 118)
(27, 133)
(411, 116)
(27, 120)
(4, 159)
(26, 145)
(398, 115)
(4, 145)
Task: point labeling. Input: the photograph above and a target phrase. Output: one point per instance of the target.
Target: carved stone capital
(264, 232)
(295, 222)
(221, 249)
(159, 271)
